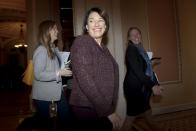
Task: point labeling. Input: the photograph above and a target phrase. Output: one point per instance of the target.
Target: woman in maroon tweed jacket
(95, 76)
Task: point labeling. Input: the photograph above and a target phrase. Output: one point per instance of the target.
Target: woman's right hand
(157, 90)
(65, 72)
(116, 120)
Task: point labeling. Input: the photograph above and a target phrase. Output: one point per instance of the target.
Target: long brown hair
(44, 37)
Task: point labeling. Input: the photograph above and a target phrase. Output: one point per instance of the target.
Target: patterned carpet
(178, 121)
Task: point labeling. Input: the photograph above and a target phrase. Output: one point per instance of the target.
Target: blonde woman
(139, 81)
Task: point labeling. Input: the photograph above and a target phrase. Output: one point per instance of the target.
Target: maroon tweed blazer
(95, 76)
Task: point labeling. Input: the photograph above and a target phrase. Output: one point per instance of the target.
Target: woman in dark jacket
(139, 80)
(95, 76)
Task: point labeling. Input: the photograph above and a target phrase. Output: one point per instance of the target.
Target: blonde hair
(129, 42)
(44, 37)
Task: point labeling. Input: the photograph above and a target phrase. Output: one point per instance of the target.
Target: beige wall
(133, 13)
(176, 96)
(183, 95)
(163, 38)
(187, 20)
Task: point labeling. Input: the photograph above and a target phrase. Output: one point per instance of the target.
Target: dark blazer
(136, 68)
(95, 76)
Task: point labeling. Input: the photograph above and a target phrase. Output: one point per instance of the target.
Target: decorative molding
(179, 53)
(176, 16)
(12, 15)
(147, 24)
(13, 4)
(178, 47)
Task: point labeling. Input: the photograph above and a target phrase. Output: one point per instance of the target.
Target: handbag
(28, 74)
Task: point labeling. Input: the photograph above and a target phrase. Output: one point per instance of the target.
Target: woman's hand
(157, 90)
(65, 72)
(116, 120)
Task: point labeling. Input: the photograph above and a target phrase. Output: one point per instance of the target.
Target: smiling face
(53, 34)
(96, 26)
(135, 36)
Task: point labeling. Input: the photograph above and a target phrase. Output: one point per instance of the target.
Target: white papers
(63, 58)
(150, 54)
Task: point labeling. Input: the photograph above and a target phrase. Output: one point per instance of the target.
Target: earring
(86, 28)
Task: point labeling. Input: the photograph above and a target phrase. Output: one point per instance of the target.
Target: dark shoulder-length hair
(102, 13)
(44, 37)
(129, 42)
